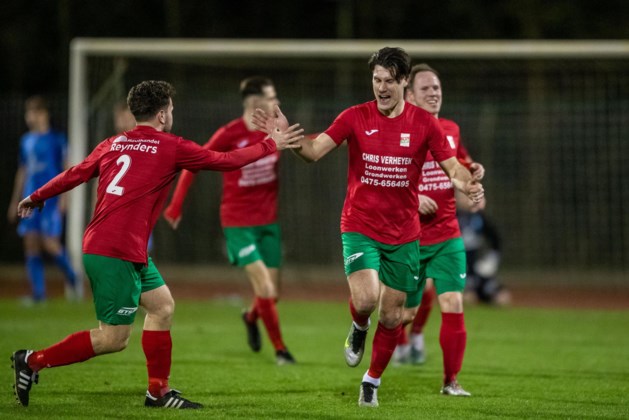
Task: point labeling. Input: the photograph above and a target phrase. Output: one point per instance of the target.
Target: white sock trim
(358, 327)
(373, 381)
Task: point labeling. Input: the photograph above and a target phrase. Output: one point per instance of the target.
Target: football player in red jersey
(249, 214)
(387, 141)
(442, 253)
(135, 169)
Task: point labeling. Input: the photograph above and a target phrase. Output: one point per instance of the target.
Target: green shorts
(397, 265)
(117, 286)
(252, 243)
(445, 264)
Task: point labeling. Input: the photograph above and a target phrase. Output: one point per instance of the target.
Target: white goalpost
(181, 50)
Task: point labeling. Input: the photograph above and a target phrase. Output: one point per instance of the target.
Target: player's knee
(365, 305)
(111, 341)
(390, 320)
(267, 290)
(408, 315)
(166, 310)
(451, 302)
(119, 344)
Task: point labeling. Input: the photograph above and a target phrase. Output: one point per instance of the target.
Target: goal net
(549, 121)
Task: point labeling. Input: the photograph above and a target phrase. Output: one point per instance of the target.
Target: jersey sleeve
(193, 157)
(72, 177)
(174, 209)
(437, 143)
(341, 128)
(461, 152)
(219, 141)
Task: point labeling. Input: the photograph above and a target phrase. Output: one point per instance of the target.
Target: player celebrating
(42, 157)
(387, 140)
(134, 169)
(249, 214)
(442, 253)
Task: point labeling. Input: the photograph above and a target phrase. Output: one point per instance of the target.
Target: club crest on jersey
(405, 139)
(451, 141)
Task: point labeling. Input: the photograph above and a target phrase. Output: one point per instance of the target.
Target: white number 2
(113, 187)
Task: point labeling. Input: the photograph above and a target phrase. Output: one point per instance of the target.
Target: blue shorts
(48, 222)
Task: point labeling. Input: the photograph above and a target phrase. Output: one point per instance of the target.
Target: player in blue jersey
(42, 156)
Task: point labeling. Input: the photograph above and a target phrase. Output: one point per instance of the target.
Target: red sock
(361, 320)
(402, 339)
(157, 346)
(74, 348)
(424, 311)
(252, 314)
(452, 339)
(384, 343)
(268, 312)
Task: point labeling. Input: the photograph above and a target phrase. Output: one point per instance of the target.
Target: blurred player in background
(387, 141)
(249, 214)
(135, 170)
(42, 156)
(442, 252)
(483, 253)
(123, 118)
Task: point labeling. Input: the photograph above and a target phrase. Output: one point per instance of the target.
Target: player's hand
(427, 205)
(289, 138)
(477, 170)
(474, 191)
(476, 207)
(25, 207)
(268, 123)
(172, 216)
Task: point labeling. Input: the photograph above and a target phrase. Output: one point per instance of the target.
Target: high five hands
(276, 126)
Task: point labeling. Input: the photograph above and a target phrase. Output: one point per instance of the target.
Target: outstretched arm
(65, 181)
(173, 211)
(462, 179)
(25, 207)
(309, 150)
(193, 157)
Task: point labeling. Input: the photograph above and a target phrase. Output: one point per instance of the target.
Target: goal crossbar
(82, 48)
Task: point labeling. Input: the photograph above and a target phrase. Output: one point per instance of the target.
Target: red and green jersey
(385, 160)
(443, 224)
(249, 193)
(135, 170)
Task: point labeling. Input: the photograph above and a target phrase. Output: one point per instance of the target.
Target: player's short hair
(394, 59)
(146, 99)
(254, 85)
(37, 103)
(418, 68)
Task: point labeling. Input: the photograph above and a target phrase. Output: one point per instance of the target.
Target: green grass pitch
(520, 363)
